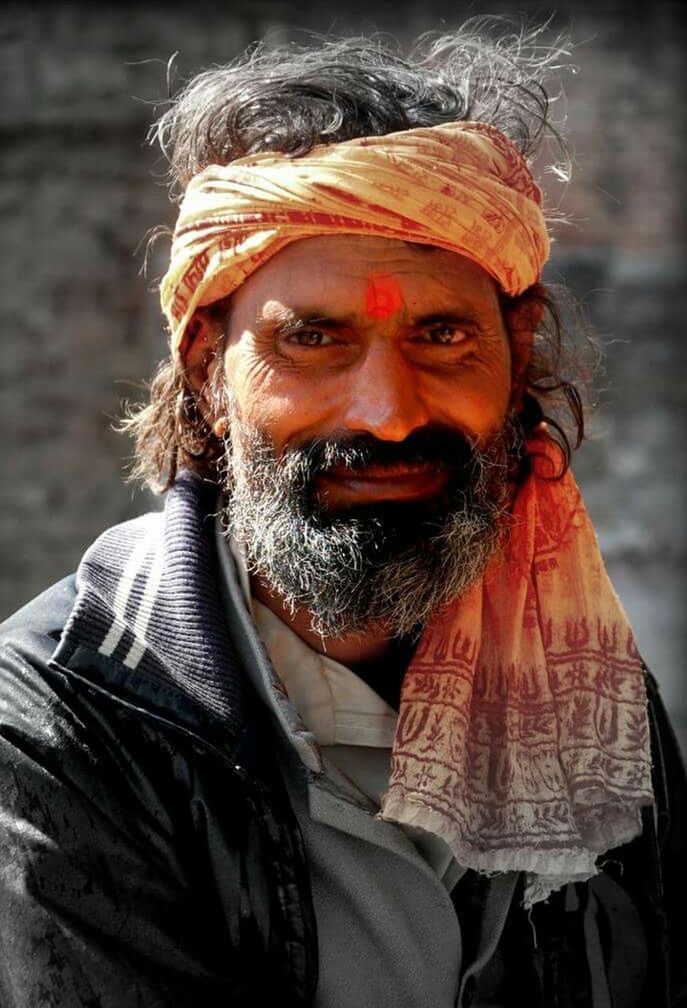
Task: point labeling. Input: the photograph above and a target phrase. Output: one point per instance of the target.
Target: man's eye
(308, 337)
(444, 335)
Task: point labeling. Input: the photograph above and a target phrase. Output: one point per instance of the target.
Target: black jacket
(148, 852)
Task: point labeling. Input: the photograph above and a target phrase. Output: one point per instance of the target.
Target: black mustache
(427, 446)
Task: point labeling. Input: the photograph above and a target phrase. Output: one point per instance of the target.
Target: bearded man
(359, 719)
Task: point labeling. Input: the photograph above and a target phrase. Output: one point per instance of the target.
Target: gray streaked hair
(290, 97)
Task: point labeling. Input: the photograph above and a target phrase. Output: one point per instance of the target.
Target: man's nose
(383, 398)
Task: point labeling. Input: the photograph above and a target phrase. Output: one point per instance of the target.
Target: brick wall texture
(80, 189)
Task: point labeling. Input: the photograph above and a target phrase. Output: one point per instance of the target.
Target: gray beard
(385, 566)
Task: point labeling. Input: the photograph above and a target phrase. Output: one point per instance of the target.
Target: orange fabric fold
(523, 737)
(461, 186)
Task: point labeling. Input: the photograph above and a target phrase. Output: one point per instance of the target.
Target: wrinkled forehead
(376, 276)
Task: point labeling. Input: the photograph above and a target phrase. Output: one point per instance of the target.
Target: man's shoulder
(42, 619)
(30, 636)
(27, 642)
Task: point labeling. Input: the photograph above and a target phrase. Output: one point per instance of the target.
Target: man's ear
(521, 318)
(203, 342)
(204, 345)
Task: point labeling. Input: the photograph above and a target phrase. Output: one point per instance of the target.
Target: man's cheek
(484, 400)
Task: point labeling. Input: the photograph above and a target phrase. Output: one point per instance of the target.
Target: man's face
(368, 385)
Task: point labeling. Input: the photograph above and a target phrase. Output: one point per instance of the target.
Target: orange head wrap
(462, 186)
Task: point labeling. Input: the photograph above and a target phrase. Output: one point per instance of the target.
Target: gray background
(81, 329)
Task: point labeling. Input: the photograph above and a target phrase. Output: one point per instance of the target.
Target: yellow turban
(462, 186)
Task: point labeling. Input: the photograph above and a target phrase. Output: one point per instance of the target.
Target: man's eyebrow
(290, 320)
(437, 318)
(286, 319)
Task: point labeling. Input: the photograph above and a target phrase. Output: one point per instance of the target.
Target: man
(358, 720)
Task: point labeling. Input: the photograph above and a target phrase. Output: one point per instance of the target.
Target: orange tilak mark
(382, 296)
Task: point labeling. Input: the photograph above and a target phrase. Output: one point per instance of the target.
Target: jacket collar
(149, 624)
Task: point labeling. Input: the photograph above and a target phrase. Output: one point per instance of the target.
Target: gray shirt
(388, 933)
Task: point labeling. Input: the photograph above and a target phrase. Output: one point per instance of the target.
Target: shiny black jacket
(148, 852)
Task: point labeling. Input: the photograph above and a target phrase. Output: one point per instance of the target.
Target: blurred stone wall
(80, 189)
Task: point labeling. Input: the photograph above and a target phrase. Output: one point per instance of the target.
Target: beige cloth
(523, 736)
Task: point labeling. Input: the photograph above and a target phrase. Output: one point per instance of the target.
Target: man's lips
(390, 482)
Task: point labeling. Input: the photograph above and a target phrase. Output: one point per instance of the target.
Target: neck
(351, 650)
